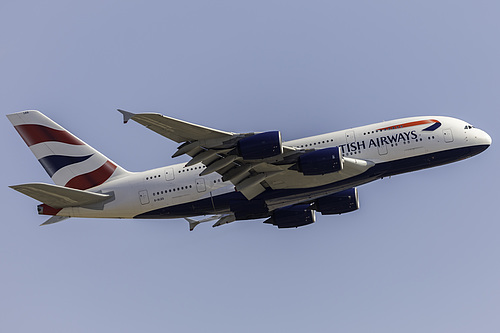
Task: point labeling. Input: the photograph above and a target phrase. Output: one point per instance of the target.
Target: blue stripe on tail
(53, 163)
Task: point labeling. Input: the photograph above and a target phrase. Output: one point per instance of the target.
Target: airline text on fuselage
(378, 142)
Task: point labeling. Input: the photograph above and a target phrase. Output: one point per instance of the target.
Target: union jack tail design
(69, 161)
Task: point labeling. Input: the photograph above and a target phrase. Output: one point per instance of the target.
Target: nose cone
(483, 138)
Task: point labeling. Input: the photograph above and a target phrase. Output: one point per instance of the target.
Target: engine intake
(260, 146)
(320, 162)
(292, 216)
(338, 203)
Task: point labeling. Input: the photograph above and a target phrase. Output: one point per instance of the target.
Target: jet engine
(320, 162)
(338, 203)
(260, 146)
(292, 216)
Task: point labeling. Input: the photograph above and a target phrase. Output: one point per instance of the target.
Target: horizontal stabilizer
(59, 196)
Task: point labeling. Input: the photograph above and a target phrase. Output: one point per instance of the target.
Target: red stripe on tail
(33, 134)
(93, 178)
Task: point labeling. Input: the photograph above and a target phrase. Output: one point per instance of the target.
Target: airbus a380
(236, 176)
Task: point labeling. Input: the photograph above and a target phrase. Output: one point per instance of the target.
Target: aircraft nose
(483, 138)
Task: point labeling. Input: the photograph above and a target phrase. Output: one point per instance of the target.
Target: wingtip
(192, 223)
(54, 219)
(126, 115)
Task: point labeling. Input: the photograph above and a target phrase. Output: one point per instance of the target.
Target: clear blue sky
(422, 253)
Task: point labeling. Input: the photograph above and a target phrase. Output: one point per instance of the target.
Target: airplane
(236, 176)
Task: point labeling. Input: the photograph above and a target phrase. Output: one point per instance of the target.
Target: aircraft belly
(278, 198)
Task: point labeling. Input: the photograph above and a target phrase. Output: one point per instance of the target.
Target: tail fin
(69, 161)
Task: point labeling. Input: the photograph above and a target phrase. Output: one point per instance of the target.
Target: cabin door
(143, 196)
(382, 149)
(448, 136)
(169, 174)
(200, 185)
(350, 137)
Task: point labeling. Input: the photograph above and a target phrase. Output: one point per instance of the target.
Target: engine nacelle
(320, 162)
(292, 217)
(259, 146)
(338, 203)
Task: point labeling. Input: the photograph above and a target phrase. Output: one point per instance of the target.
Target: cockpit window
(468, 126)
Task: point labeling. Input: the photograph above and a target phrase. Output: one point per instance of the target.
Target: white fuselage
(381, 143)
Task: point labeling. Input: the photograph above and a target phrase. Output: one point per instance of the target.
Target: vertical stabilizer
(69, 161)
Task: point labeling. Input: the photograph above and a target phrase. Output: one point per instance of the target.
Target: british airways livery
(236, 176)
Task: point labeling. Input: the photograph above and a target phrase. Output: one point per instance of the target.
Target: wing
(174, 129)
(250, 161)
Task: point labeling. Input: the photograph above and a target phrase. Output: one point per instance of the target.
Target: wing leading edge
(174, 129)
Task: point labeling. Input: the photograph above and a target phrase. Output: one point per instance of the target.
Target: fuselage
(392, 147)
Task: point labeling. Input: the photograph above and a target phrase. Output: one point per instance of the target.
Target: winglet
(192, 223)
(126, 115)
(54, 219)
